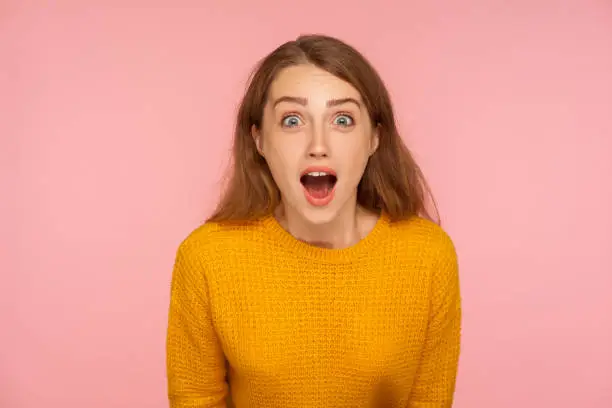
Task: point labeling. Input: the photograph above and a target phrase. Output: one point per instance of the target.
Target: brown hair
(392, 181)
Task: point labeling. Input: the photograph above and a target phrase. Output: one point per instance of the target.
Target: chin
(320, 215)
(315, 215)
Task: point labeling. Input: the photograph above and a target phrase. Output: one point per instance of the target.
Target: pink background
(115, 123)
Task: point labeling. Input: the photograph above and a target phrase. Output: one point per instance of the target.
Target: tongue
(318, 187)
(318, 190)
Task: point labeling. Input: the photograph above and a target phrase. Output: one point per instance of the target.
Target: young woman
(320, 280)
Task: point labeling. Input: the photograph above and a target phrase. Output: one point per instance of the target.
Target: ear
(258, 138)
(375, 139)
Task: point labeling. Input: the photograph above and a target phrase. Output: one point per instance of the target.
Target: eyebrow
(304, 101)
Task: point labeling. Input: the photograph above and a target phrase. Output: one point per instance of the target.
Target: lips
(319, 185)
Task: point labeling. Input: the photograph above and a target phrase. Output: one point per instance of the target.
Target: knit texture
(282, 323)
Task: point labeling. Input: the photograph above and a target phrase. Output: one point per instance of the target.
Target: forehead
(308, 81)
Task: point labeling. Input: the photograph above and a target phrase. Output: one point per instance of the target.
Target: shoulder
(429, 238)
(212, 237)
(421, 230)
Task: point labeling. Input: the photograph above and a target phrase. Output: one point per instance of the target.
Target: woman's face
(316, 137)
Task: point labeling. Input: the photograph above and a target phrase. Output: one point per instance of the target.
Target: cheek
(353, 169)
(357, 158)
(358, 166)
(281, 160)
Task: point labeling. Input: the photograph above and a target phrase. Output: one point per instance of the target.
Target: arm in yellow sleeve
(436, 378)
(194, 358)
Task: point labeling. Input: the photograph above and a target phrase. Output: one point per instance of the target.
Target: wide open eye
(291, 121)
(343, 120)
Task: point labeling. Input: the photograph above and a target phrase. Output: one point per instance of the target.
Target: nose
(318, 147)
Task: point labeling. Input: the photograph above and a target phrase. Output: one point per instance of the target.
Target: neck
(349, 227)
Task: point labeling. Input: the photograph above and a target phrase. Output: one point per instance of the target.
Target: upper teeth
(318, 173)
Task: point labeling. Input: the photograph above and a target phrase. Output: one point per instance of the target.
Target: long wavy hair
(392, 181)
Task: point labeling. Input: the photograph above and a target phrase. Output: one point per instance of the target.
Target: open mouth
(319, 186)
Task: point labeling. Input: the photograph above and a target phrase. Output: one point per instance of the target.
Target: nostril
(315, 154)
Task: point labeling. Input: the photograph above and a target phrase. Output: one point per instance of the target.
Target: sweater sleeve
(436, 377)
(194, 358)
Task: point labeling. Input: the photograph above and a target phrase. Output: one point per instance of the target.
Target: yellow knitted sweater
(282, 323)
